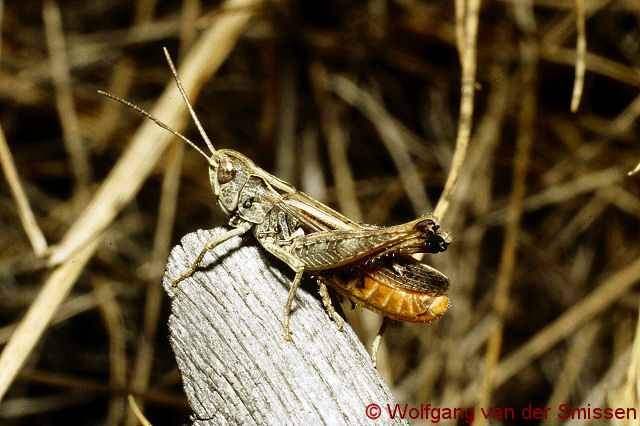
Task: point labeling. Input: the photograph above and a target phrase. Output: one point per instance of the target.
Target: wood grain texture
(227, 334)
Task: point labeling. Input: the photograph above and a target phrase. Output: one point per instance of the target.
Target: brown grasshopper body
(368, 264)
(397, 287)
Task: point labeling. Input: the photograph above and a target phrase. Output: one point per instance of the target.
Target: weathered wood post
(227, 334)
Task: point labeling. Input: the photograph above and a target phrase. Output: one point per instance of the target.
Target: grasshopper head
(241, 194)
(228, 173)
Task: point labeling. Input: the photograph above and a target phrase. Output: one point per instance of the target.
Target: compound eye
(248, 203)
(226, 171)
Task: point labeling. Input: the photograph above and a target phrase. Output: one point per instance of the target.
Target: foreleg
(244, 227)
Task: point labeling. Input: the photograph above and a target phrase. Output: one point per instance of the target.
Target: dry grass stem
(564, 25)
(188, 15)
(460, 11)
(336, 141)
(141, 374)
(285, 166)
(390, 133)
(115, 327)
(521, 160)
(581, 48)
(584, 184)
(312, 178)
(109, 117)
(467, 94)
(71, 307)
(138, 413)
(37, 318)
(28, 219)
(144, 11)
(64, 98)
(594, 63)
(16, 409)
(60, 381)
(597, 301)
(574, 362)
(597, 395)
(582, 220)
(1, 20)
(629, 392)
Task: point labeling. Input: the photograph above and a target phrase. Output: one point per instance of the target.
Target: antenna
(159, 123)
(186, 100)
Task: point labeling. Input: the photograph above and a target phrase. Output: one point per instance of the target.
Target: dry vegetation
(361, 104)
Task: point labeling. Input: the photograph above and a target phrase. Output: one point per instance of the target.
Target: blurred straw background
(367, 106)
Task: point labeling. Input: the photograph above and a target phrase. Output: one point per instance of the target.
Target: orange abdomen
(378, 293)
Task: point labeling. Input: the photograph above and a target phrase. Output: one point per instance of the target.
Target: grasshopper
(371, 265)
